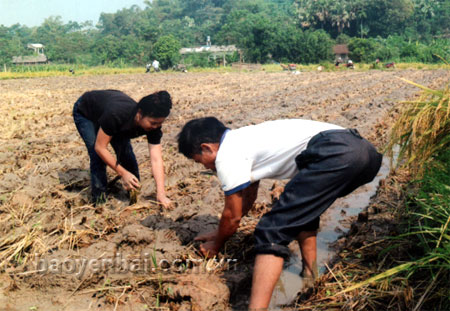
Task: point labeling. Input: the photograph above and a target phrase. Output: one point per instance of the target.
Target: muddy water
(331, 228)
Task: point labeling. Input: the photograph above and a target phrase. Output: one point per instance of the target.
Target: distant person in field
(323, 161)
(350, 64)
(111, 117)
(390, 65)
(376, 65)
(155, 65)
(148, 67)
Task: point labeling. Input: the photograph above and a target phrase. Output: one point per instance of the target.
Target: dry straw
(423, 128)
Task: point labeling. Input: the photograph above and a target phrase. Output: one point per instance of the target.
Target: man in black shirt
(110, 116)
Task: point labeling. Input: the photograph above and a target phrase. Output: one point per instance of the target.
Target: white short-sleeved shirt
(265, 150)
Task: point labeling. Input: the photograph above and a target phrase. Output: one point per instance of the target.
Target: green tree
(386, 17)
(166, 9)
(330, 15)
(106, 49)
(49, 30)
(9, 47)
(253, 26)
(315, 47)
(167, 51)
(286, 43)
(281, 30)
(253, 33)
(120, 50)
(362, 50)
(122, 23)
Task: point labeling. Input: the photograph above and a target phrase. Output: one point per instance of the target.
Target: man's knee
(270, 240)
(272, 249)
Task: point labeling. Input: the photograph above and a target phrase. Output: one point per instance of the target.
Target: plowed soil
(44, 187)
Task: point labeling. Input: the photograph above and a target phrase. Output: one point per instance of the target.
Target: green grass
(50, 70)
(430, 210)
(429, 217)
(40, 71)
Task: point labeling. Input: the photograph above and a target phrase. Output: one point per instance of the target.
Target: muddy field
(109, 254)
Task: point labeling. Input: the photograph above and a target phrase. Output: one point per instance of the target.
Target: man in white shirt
(323, 161)
(155, 65)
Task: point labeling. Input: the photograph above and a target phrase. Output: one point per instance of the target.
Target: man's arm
(249, 195)
(101, 144)
(237, 205)
(229, 223)
(231, 217)
(156, 160)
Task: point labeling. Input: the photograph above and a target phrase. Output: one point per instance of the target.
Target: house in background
(216, 52)
(341, 53)
(38, 57)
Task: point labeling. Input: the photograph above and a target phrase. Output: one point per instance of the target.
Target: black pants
(122, 147)
(335, 163)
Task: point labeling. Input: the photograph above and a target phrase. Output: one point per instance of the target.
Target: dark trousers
(335, 163)
(122, 147)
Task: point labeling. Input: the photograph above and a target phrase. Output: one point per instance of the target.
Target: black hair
(197, 132)
(156, 105)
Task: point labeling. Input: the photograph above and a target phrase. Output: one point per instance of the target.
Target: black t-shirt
(114, 112)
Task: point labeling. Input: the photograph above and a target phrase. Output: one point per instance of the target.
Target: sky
(33, 12)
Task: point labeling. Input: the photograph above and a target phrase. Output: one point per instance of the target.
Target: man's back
(265, 150)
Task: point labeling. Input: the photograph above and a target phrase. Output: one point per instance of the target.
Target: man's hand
(228, 224)
(165, 201)
(130, 182)
(209, 249)
(206, 237)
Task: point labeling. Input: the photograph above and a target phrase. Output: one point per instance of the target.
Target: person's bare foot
(309, 276)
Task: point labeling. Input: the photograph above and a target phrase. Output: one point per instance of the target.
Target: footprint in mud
(204, 292)
(74, 179)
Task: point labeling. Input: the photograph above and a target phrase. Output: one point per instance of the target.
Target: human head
(199, 140)
(153, 110)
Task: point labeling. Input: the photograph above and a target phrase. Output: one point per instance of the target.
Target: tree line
(301, 31)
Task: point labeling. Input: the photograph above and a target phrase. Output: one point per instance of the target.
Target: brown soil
(44, 185)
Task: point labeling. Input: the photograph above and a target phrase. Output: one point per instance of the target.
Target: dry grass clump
(423, 127)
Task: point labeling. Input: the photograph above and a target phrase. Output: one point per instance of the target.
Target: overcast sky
(33, 12)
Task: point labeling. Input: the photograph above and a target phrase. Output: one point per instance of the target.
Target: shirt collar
(223, 136)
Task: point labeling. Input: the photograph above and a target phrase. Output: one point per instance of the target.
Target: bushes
(398, 49)
(111, 49)
(295, 45)
(264, 37)
(166, 51)
(363, 50)
(316, 46)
